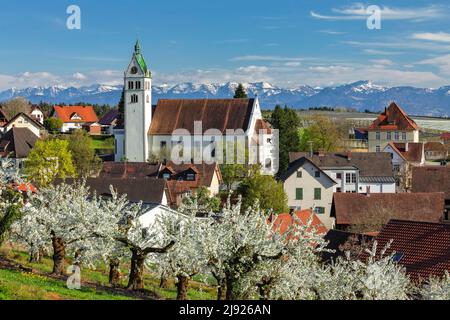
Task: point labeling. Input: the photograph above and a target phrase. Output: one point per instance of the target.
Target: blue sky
(286, 42)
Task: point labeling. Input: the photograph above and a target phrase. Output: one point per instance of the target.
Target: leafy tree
(287, 121)
(266, 190)
(49, 159)
(201, 199)
(53, 125)
(322, 132)
(84, 158)
(14, 106)
(240, 92)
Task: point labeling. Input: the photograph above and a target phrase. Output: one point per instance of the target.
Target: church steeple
(137, 47)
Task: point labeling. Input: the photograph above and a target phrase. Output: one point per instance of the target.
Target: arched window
(148, 99)
(130, 85)
(138, 85)
(134, 98)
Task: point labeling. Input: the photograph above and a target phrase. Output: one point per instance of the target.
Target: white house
(309, 187)
(37, 114)
(197, 124)
(355, 172)
(22, 120)
(76, 117)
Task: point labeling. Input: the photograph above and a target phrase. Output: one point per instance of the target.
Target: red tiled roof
(285, 220)
(24, 187)
(425, 246)
(435, 146)
(431, 179)
(394, 118)
(360, 209)
(415, 151)
(220, 114)
(86, 113)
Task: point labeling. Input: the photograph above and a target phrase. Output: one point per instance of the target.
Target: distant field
(366, 118)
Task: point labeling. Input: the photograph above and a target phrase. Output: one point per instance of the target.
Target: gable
(78, 114)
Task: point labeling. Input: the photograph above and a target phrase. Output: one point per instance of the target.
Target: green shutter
(317, 194)
(299, 194)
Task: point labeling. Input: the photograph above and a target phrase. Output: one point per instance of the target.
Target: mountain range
(361, 95)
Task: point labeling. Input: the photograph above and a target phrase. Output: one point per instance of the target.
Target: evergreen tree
(287, 121)
(240, 92)
(121, 107)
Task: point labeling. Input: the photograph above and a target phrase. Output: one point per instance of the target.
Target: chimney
(368, 191)
(349, 155)
(321, 153)
(407, 147)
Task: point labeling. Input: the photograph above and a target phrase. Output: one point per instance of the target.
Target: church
(201, 126)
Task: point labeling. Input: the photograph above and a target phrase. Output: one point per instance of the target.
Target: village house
(373, 211)
(354, 172)
(17, 143)
(181, 180)
(433, 179)
(289, 221)
(77, 117)
(339, 242)
(311, 180)
(200, 123)
(435, 151)
(393, 125)
(422, 248)
(109, 121)
(37, 114)
(147, 191)
(22, 120)
(309, 187)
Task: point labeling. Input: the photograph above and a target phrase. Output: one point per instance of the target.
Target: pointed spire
(137, 47)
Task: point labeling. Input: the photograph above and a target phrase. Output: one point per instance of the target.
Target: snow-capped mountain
(360, 95)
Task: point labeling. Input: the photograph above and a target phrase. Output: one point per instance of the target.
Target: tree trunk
(114, 272)
(182, 287)
(59, 254)
(221, 288)
(230, 294)
(136, 280)
(163, 283)
(35, 256)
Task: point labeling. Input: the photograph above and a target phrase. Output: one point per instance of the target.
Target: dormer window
(166, 176)
(190, 177)
(75, 116)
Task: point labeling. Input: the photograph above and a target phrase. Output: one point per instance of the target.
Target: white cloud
(79, 76)
(381, 52)
(358, 11)
(441, 62)
(382, 62)
(269, 58)
(439, 37)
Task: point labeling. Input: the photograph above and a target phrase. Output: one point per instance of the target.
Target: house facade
(200, 126)
(436, 151)
(393, 125)
(309, 187)
(354, 172)
(22, 120)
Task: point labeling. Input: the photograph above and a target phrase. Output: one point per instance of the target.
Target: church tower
(138, 108)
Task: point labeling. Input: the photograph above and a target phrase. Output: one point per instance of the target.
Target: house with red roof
(393, 125)
(422, 248)
(285, 221)
(77, 117)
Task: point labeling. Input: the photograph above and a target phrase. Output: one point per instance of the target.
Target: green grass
(36, 287)
(102, 143)
(16, 285)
